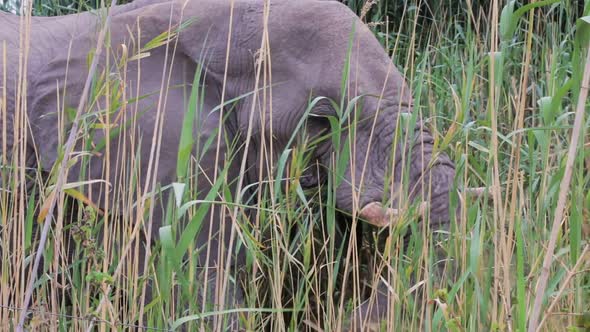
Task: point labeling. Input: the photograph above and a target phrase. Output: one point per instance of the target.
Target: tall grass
(497, 84)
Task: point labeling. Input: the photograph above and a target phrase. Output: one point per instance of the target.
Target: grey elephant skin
(308, 45)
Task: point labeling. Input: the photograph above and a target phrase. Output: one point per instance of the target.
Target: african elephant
(258, 74)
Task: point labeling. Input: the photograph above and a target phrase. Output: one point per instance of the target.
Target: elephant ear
(56, 90)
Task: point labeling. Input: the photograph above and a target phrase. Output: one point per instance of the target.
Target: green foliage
(303, 262)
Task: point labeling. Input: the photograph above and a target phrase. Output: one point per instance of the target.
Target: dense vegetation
(499, 84)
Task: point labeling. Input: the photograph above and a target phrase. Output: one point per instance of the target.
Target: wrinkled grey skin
(308, 41)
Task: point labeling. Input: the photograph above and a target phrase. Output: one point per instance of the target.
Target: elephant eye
(308, 181)
(316, 125)
(318, 120)
(313, 175)
(323, 108)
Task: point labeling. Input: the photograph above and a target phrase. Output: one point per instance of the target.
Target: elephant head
(307, 61)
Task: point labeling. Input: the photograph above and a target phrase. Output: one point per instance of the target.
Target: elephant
(263, 71)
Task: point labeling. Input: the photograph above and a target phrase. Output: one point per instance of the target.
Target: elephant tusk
(375, 214)
(477, 191)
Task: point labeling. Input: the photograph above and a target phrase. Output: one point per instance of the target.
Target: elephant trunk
(430, 178)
